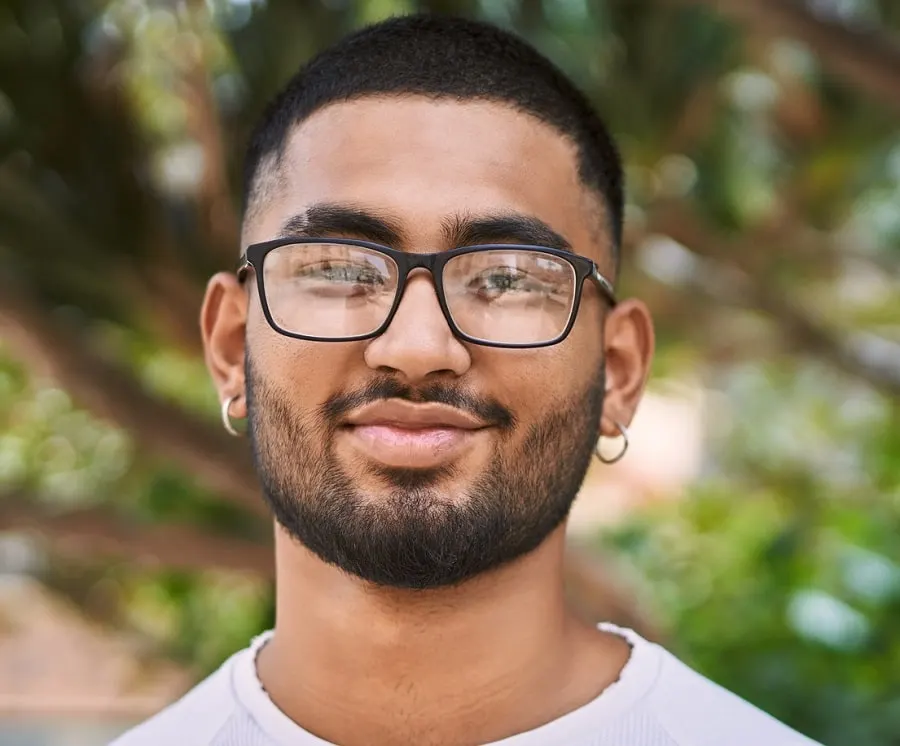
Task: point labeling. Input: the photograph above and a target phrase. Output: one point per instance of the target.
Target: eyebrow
(329, 220)
(462, 230)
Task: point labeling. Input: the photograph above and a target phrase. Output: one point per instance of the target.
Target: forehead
(421, 161)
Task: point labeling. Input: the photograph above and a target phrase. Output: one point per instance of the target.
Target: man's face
(509, 432)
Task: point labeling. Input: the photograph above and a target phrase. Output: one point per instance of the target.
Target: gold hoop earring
(618, 457)
(226, 415)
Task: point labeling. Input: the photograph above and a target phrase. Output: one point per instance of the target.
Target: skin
(354, 662)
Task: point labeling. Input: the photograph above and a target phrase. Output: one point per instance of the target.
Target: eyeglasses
(341, 290)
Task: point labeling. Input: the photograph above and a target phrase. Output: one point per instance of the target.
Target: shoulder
(193, 720)
(698, 712)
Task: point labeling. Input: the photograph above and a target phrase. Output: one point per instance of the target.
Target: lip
(409, 416)
(412, 436)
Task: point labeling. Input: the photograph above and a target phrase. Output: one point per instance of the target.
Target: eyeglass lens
(335, 291)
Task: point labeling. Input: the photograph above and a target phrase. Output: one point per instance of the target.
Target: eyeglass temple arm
(243, 267)
(605, 285)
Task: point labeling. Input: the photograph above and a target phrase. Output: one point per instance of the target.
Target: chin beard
(414, 535)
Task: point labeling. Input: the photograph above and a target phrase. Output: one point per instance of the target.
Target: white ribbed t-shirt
(657, 701)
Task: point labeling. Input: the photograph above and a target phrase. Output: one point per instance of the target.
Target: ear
(628, 347)
(223, 324)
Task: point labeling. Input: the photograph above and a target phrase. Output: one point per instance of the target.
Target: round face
(416, 459)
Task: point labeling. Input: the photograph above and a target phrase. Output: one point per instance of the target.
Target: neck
(498, 655)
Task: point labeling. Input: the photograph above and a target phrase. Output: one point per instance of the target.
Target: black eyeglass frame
(584, 268)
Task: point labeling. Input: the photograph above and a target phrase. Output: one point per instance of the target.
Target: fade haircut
(441, 58)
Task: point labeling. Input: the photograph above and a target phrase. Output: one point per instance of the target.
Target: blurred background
(754, 527)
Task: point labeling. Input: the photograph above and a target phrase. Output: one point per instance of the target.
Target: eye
(340, 272)
(501, 280)
(350, 273)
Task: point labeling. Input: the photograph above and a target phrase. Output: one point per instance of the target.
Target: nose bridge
(419, 340)
(427, 261)
(419, 309)
(415, 280)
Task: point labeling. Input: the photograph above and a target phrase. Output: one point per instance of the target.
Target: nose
(418, 343)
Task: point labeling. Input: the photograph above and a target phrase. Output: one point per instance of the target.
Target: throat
(401, 693)
(358, 664)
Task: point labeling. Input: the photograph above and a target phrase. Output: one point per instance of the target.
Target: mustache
(487, 409)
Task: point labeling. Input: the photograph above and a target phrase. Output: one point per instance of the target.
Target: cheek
(304, 373)
(534, 383)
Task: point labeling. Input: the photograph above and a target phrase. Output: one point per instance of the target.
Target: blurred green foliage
(777, 574)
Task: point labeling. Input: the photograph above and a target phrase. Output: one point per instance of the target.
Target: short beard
(418, 537)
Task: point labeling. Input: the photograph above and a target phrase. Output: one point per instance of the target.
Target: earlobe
(223, 323)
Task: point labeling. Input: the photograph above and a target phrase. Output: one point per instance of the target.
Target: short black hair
(441, 57)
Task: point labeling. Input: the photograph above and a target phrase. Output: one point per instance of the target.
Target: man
(425, 341)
